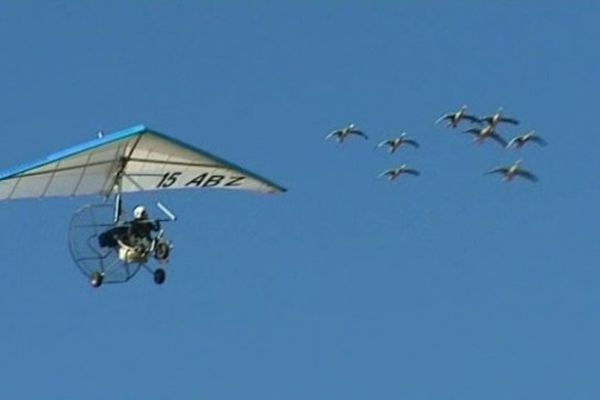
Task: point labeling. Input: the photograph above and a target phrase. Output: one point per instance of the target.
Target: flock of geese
(486, 129)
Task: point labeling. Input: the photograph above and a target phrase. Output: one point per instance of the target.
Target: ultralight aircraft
(103, 243)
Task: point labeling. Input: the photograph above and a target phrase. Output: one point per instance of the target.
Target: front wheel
(96, 279)
(159, 276)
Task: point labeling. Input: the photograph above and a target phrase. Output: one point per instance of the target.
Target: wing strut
(118, 186)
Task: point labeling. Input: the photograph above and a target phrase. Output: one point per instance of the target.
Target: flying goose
(343, 133)
(394, 143)
(510, 171)
(496, 118)
(455, 117)
(487, 131)
(393, 173)
(521, 140)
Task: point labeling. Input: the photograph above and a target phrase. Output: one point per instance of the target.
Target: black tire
(96, 279)
(159, 276)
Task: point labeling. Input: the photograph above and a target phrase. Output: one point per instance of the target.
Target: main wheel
(159, 276)
(96, 279)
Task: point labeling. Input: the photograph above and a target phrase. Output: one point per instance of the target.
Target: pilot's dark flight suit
(141, 229)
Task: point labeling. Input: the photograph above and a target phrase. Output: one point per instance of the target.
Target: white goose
(393, 173)
(454, 118)
(487, 131)
(342, 133)
(521, 140)
(496, 118)
(510, 171)
(395, 143)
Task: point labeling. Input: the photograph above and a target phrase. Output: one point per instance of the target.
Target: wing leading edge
(145, 159)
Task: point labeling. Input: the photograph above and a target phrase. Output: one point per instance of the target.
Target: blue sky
(452, 285)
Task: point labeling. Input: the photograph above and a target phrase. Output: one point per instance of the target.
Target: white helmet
(139, 212)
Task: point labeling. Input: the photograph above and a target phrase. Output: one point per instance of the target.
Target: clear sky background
(452, 285)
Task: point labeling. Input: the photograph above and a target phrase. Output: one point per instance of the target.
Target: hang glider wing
(143, 158)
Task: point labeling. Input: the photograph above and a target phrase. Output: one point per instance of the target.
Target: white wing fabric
(139, 158)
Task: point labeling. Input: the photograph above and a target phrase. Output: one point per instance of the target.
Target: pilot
(141, 227)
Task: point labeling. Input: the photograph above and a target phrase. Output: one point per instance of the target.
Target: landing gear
(159, 276)
(96, 279)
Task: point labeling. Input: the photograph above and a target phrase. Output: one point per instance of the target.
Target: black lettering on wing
(235, 181)
(197, 181)
(168, 179)
(213, 180)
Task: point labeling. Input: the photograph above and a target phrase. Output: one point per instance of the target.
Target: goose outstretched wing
(499, 139)
(443, 118)
(392, 173)
(499, 170)
(411, 171)
(412, 142)
(527, 175)
(471, 118)
(387, 142)
(358, 132)
(538, 140)
(516, 140)
(333, 133)
(509, 120)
